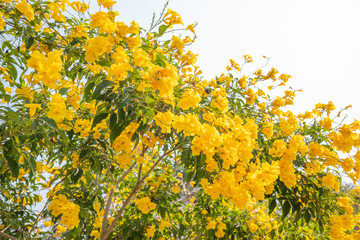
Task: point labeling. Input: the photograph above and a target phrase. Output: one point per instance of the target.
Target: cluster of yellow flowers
(70, 211)
(47, 67)
(145, 205)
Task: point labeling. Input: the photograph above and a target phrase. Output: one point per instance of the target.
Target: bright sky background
(315, 41)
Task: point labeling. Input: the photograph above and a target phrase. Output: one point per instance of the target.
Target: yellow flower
(8, 90)
(165, 223)
(177, 43)
(25, 9)
(133, 42)
(247, 58)
(96, 47)
(189, 99)
(70, 211)
(141, 58)
(267, 129)
(2, 22)
(278, 148)
(191, 28)
(145, 205)
(172, 18)
(33, 108)
(106, 3)
(175, 189)
(211, 224)
(150, 231)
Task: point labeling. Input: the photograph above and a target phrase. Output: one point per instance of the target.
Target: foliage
(109, 131)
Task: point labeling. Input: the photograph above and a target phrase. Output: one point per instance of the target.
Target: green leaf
(272, 233)
(88, 88)
(84, 153)
(272, 205)
(74, 42)
(62, 91)
(77, 174)
(8, 151)
(50, 122)
(307, 216)
(135, 138)
(166, 43)
(185, 156)
(285, 209)
(121, 113)
(102, 143)
(98, 118)
(297, 216)
(32, 163)
(34, 124)
(162, 30)
(100, 87)
(29, 42)
(12, 71)
(113, 120)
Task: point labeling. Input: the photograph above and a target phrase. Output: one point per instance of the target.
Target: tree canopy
(109, 131)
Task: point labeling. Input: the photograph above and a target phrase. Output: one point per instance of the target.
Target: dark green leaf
(100, 87)
(78, 173)
(307, 216)
(121, 113)
(74, 42)
(285, 209)
(98, 118)
(8, 151)
(102, 143)
(297, 216)
(84, 153)
(32, 163)
(29, 42)
(135, 138)
(87, 92)
(113, 120)
(50, 122)
(272, 205)
(62, 91)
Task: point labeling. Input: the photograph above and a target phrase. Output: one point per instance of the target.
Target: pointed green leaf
(285, 209)
(272, 205)
(98, 118)
(50, 122)
(100, 87)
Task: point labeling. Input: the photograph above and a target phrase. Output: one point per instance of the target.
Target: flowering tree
(108, 131)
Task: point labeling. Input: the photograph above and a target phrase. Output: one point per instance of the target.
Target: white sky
(315, 41)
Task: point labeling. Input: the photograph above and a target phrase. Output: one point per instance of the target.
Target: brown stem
(106, 212)
(110, 174)
(139, 173)
(128, 199)
(2, 234)
(125, 174)
(107, 208)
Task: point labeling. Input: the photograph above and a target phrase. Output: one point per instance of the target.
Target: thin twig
(125, 174)
(110, 174)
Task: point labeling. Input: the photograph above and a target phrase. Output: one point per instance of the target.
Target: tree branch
(2, 234)
(128, 199)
